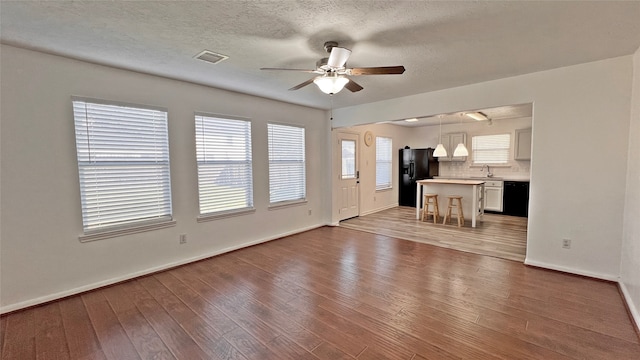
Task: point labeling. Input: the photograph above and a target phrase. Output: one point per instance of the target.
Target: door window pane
(348, 159)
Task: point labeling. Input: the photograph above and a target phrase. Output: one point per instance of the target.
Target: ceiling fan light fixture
(333, 70)
(477, 116)
(330, 84)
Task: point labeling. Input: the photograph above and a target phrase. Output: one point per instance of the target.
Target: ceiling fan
(333, 71)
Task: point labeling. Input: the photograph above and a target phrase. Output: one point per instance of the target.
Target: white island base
(471, 191)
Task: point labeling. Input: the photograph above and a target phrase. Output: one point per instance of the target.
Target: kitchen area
(498, 152)
(498, 156)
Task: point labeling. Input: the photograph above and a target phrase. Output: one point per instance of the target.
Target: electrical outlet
(566, 243)
(183, 238)
(309, 211)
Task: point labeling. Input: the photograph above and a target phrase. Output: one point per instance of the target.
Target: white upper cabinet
(450, 141)
(522, 144)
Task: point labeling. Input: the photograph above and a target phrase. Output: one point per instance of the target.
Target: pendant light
(440, 151)
(461, 150)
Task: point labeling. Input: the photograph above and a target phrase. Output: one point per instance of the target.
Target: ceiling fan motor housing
(323, 64)
(330, 45)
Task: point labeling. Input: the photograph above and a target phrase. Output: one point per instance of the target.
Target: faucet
(489, 174)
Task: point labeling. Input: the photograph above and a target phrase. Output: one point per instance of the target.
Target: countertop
(451, 181)
(496, 178)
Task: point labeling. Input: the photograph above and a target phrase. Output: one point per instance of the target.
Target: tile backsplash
(513, 170)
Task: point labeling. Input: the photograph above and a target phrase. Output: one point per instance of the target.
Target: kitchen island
(470, 190)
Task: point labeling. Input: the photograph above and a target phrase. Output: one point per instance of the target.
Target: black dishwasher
(516, 198)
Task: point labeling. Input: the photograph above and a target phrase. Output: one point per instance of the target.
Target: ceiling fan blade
(338, 57)
(301, 85)
(381, 70)
(301, 70)
(353, 86)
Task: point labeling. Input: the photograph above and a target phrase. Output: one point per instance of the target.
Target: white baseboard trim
(635, 312)
(570, 270)
(99, 284)
(378, 209)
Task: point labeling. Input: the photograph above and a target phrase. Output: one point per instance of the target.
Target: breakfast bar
(471, 190)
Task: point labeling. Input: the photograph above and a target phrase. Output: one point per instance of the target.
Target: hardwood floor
(498, 235)
(334, 293)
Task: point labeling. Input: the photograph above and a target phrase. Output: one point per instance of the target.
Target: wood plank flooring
(498, 235)
(334, 293)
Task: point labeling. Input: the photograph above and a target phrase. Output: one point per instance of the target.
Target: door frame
(337, 170)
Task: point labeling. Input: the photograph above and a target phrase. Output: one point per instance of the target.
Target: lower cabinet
(516, 198)
(493, 195)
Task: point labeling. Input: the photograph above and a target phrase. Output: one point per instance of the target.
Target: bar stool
(455, 201)
(425, 207)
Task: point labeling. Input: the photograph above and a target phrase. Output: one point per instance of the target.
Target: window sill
(285, 204)
(133, 229)
(224, 214)
(384, 189)
(490, 165)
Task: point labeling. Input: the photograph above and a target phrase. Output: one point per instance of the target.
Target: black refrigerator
(415, 164)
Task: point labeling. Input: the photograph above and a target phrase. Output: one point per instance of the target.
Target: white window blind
(491, 149)
(287, 177)
(223, 151)
(348, 159)
(123, 163)
(384, 158)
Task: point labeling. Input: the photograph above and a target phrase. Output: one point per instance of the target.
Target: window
(384, 158)
(287, 179)
(491, 149)
(123, 163)
(223, 152)
(348, 159)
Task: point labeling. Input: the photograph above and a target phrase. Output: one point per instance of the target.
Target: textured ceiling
(441, 44)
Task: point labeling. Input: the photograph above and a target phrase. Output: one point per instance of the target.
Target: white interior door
(348, 176)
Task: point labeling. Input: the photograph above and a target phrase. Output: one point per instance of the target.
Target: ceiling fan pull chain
(331, 97)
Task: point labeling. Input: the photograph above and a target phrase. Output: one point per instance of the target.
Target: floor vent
(211, 57)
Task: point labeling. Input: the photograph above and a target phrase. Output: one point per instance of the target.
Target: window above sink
(490, 149)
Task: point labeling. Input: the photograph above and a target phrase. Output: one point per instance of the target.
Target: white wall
(630, 262)
(370, 199)
(41, 256)
(579, 160)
